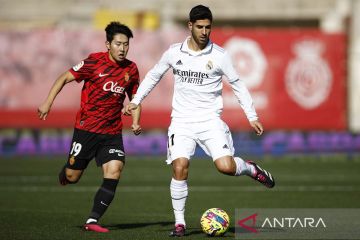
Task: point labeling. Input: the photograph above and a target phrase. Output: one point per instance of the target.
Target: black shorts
(87, 145)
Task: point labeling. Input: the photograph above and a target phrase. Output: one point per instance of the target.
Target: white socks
(243, 168)
(179, 189)
(179, 193)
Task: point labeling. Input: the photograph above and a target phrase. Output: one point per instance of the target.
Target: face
(118, 47)
(200, 32)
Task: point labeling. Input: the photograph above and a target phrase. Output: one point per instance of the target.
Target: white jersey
(198, 82)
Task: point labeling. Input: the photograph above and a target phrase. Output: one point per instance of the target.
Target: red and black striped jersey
(103, 93)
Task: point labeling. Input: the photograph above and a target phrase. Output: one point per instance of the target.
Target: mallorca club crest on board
(308, 78)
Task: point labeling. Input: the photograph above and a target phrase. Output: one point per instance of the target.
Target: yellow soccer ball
(215, 222)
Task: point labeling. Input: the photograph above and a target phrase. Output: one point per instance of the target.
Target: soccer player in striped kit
(108, 77)
(198, 66)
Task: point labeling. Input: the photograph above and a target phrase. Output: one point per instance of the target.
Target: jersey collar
(115, 64)
(185, 48)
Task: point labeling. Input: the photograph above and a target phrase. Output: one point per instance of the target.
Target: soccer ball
(215, 222)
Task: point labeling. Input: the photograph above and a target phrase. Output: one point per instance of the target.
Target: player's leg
(111, 157)
(105, 195)
(179, 193)
(180, 168)
(218, 144)
(238, 167)
(69, 176)
(233, 166)
(181, 147)
(80, 154)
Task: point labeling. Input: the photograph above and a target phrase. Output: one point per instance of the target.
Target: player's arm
(135, 112)
(246, 103)
(135, 126)
(242, 94)
(151, 79)
(45, 107)
(257, 126)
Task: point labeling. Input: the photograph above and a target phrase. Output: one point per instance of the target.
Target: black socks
(103, 197)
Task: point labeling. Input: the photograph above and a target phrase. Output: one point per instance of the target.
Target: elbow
(68, 77)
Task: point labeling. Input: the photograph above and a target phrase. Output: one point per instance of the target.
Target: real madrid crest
(209, 65)
(126, 77)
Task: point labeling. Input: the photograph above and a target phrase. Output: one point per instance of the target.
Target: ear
(107, 44)
(190, 25)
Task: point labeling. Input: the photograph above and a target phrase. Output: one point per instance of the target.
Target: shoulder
(175, 47)
(95, 58)
(97, 55)
(128, 63)
(218, 50)
(132, 64)
(129, 66)
(220, 54)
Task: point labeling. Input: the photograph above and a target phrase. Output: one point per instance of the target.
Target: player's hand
(128, 108)
(43, 111)
(136, 129)
(257, 127)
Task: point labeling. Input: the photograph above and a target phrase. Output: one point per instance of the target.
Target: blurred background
(299, 58)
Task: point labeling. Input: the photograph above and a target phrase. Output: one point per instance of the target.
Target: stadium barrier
(27, 141)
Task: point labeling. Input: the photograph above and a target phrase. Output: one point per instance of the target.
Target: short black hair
(114, 28)
(200, 12)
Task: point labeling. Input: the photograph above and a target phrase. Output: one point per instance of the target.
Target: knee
(226, 166)
(113, 174)
(113, 169)
(180, 169)
(72, 176)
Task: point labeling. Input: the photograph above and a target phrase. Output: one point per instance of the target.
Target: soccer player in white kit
(198, 66)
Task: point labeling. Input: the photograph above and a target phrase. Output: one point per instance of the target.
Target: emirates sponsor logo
(113, 87)
(189, 76)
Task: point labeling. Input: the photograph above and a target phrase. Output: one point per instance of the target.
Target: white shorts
(213, 137)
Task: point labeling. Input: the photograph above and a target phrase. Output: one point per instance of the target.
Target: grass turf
(34, 206)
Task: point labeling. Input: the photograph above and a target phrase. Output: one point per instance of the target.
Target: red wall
(296, 77)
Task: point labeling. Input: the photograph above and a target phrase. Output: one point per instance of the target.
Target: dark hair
(114, 28)
(200, 12)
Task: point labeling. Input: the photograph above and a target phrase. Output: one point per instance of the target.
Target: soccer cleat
(178, 231)
(94, 227)
(262, 175)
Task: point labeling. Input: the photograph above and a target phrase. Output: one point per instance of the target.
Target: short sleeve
(84, 69)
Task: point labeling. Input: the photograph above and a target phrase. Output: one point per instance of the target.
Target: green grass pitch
(34, 206)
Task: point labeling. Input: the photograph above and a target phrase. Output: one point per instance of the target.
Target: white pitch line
(27, 179)
(297, 188)
(282, 177)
